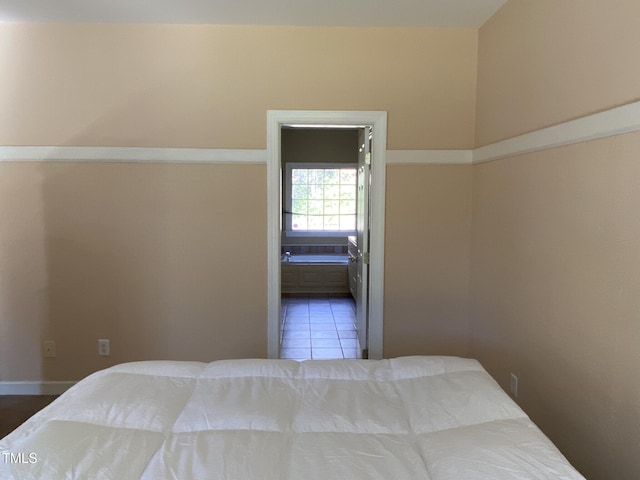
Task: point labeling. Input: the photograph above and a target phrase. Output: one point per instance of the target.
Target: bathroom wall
(316, 146)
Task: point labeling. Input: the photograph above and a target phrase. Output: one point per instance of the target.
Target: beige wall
(555, 294)
(169, 261)
(210, 86)
(428, 220)
(555, 234)
(542, 62)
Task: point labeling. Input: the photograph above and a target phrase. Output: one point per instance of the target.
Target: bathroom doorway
(339, 306)
(320, 192)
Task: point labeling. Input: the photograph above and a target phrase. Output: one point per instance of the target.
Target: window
(321, 199)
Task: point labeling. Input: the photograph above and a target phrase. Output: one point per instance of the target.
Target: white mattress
(408, 418)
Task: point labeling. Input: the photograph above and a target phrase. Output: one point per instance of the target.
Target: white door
(362, 225)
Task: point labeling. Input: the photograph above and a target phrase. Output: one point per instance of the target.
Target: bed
(433, 418)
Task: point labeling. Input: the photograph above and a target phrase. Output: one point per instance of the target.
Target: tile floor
(318, 328)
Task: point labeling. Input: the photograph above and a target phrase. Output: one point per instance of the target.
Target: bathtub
(315, 274)
(320, 258)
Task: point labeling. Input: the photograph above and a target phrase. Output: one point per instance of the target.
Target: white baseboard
(34, 388)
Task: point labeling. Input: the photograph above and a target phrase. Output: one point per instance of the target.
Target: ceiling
(348, 13)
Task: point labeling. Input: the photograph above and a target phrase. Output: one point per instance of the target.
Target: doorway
(373, 302)
(319, 211)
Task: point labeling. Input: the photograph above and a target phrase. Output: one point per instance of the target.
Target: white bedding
(408, 418)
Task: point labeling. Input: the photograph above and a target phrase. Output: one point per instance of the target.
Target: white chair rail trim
(615, 121)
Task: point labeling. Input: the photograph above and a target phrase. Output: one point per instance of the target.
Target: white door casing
(378, 121)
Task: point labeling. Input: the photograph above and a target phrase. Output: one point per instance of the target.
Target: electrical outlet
(104, 347)
(49, 348)
(514, 385)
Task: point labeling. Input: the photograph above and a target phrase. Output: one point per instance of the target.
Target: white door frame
(275, 120)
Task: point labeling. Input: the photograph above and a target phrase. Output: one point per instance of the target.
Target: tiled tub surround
(314, 249)
(318, 328)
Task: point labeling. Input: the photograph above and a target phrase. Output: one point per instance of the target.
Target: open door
(362, 225)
